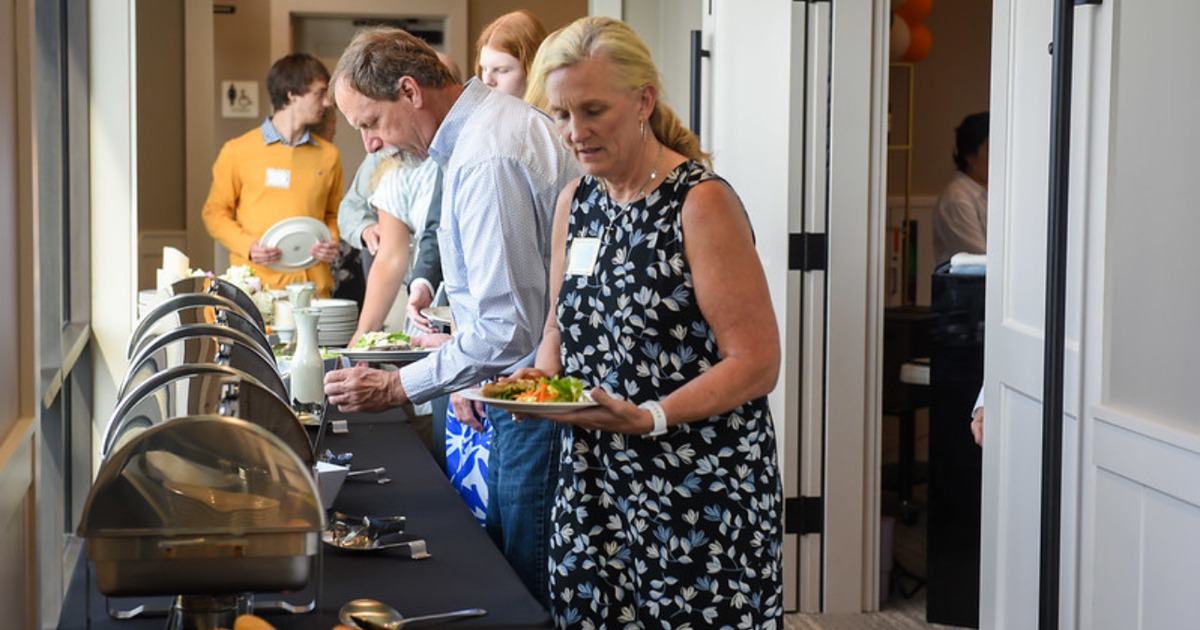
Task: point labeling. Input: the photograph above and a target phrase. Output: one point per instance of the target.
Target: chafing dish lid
(207, 284)
(205, 389)
(203, 343)
(201, 475)
(194, 308)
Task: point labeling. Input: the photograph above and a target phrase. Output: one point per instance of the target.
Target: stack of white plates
(338, 321)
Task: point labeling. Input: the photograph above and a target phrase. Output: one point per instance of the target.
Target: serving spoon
(377, 614)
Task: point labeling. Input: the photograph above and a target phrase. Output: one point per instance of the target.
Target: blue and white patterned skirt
(467, 462)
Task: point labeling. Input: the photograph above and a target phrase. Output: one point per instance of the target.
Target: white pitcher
(308, 369)
(300, 294)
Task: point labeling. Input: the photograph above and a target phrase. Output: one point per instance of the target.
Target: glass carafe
(308, 369)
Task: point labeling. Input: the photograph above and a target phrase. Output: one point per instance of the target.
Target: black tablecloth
(465, 571)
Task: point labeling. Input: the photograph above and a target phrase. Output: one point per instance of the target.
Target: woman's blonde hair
(518, 34)
(594, 37)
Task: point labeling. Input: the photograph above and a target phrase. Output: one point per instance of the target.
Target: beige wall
(950, 83)
(242, 52)
(553, 14)
(242, 47)
(160, 115)
(18, 437)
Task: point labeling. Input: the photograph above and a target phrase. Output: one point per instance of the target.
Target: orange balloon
(920, 41)
(914, 11)
(900, 39)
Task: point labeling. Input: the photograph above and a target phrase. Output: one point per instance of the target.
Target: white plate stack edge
(337, 323)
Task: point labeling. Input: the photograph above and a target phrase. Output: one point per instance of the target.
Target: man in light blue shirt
(503, 169)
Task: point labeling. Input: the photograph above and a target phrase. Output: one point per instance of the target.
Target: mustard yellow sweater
(256, 185)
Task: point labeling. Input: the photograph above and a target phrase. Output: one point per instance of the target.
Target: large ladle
(381, 615)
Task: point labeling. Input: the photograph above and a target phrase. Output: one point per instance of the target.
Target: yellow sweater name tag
(279, 178)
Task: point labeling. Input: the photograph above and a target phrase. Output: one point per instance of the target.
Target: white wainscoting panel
(1146, 529)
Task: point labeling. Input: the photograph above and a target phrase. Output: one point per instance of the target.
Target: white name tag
(279, 178)
(584, 251)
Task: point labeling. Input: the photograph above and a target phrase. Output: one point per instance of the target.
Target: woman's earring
(642, 129)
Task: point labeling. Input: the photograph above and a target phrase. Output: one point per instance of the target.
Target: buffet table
(465, 571)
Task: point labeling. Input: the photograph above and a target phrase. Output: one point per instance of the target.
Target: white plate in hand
(294, 238)
(531, 408)
(383, 356)
(437, 314)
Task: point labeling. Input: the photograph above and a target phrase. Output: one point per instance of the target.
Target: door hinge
(807, 251)
(804, 515)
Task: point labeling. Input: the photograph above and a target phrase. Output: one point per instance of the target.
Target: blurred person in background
(277, 171)
(348, 278)
(960, 215)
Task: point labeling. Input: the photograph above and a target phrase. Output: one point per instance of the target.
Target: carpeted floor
(899, 612)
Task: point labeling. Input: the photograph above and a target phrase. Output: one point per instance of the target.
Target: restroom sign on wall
(239, 99)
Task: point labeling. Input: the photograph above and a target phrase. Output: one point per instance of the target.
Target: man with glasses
(277, 171)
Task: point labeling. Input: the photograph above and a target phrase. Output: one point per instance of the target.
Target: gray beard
(406, 159)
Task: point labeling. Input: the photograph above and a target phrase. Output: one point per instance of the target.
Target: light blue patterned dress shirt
(504, 167)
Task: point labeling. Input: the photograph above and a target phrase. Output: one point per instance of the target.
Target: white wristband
(658, 415)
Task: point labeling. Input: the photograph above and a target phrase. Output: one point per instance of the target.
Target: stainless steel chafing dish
(204, 343)
(206, 389)
(217, 286)
(202, 505)
(194, 308)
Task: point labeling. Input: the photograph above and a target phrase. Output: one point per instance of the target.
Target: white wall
(113, 195)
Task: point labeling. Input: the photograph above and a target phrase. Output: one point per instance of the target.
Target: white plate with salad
(533, 396)
(384, 347)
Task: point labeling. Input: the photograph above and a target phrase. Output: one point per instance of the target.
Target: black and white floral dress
(678, 531)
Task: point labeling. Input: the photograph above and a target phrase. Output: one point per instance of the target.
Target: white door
(793, 113)
(1131, 453)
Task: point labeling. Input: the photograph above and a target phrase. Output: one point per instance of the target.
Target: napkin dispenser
(202, 505)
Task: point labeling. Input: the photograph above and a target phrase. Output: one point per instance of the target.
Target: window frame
(62, 290)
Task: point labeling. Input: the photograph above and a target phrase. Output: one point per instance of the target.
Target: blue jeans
(520, 494)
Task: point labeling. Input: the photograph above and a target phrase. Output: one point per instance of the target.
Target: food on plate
(383, 341)
(536, 390)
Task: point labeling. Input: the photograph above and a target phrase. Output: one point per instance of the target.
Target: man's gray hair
(377, 58)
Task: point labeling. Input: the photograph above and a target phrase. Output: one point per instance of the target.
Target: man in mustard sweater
(278, 171)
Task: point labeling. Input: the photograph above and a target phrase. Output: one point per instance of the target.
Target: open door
(1131, 439)
(792, 107)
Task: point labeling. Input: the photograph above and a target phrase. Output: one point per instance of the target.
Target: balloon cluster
(911, 40)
